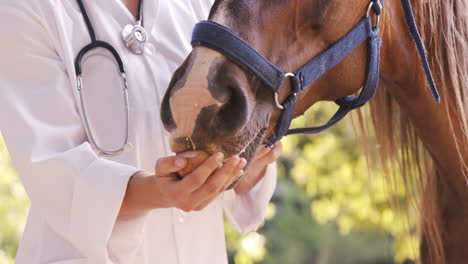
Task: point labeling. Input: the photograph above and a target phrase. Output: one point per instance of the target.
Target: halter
(218, 37)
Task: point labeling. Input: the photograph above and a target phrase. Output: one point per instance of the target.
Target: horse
(214, 103)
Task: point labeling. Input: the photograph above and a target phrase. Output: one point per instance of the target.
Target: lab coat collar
(122, 15)
(149, 10)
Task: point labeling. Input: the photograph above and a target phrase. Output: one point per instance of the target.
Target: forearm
(139, 197)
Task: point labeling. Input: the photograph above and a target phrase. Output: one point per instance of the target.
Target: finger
(236, 181)
(194, 160)
(216, 181)
(241, 165)
(167, 166)
(197, 178)
(262, 152)
(271, 156)
(233, 168)
(278, 147)
(190, 154)
(205, 203)
(237, 173)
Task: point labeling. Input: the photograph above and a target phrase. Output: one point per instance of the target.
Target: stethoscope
(135, 38)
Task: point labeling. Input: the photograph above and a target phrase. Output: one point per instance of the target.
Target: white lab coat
(75, 193)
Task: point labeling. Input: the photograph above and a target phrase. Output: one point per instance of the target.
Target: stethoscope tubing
(78, 71)
(94, 45)
(88, 128)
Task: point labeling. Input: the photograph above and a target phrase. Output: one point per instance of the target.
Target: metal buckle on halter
(369, 8)
(277, 103)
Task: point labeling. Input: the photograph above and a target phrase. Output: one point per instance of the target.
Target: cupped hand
(197, 189)
(256, 170)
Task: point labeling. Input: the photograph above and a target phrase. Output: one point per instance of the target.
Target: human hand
(256, 170)
(196, 189)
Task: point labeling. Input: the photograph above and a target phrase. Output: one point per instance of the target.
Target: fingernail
(188, 155)
(180, 163)
(243, 162)
(219, 157)
(277, 152)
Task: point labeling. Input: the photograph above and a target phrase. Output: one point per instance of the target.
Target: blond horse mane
(403, 158)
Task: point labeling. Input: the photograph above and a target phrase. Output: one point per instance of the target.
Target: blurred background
(328, 208)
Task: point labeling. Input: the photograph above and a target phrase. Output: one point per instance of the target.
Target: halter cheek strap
(215, 36)
(327, 60)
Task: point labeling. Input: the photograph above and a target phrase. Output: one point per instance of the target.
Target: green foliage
(294, 236)
(330, 207)
(13, 208)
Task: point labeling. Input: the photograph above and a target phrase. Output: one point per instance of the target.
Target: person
(91, 208)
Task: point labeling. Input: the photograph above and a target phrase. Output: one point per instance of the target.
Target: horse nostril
(232, 115)
(226, 87)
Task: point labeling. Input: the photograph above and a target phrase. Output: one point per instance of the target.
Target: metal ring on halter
(277, 103)
(369, 8)
(88, 129)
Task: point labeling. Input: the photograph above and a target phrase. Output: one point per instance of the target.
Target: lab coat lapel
(118, 13)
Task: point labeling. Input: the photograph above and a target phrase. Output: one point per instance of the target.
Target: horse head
(215, 104)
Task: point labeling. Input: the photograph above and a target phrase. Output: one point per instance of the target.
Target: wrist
(146, 191)
(139, 196)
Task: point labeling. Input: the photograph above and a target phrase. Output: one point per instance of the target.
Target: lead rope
(414, 32)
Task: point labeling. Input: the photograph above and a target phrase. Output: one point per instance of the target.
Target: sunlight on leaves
(13, 207)
(254, 245)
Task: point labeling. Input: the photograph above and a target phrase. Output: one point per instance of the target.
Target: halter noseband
(218, 37)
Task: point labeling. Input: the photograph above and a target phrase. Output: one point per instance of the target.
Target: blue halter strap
(217, 37)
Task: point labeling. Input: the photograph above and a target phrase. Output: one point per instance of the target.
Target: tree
(13, 208)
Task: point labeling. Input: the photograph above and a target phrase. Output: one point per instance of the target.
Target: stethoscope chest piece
(135, 38)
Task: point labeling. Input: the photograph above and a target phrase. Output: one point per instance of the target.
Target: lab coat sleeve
(246, 212)
(78, 193)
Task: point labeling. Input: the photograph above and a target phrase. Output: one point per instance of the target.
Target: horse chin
(252, 148)
(244, 145)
